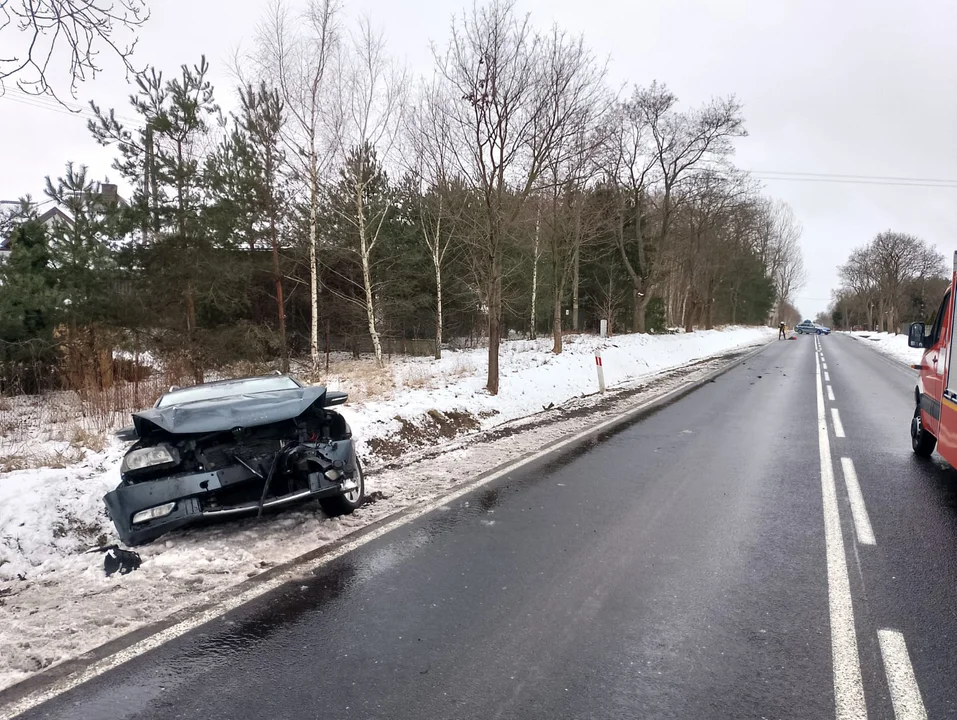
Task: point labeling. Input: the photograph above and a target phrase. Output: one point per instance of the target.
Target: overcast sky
(844, 87)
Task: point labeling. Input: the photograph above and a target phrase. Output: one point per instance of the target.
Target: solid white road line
(830, 393)
(862, 522)
(836, 419)
(905, 695)
(827, 377)
(848, 686)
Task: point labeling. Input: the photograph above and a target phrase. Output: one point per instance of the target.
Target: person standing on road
(782, 335)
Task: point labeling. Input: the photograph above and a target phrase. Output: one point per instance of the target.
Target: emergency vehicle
(935, 414)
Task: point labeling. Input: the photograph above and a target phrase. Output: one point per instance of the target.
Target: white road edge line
(830, 393)
(304, 570)
(862, 521)
(905, 695)
(848, 686)
(836, 419)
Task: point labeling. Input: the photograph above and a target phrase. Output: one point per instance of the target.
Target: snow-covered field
(56, 602)
(892, 345)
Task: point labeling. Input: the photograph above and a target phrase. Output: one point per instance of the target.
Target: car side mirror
(127, 434)
(915, 335)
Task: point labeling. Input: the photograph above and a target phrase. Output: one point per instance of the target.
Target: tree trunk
(639, 324)
(575, 282)
(709, 316)
(557, 319)
(313, 269)
(438, 305)
(691, 316)
(281, 306)
(533, 332)
(494, 320)
(367, 276)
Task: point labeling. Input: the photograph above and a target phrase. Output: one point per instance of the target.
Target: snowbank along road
(766, 546)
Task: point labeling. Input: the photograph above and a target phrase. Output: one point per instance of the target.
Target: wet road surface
(681, 567)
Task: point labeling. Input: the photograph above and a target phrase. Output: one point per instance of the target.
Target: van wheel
(921, 440)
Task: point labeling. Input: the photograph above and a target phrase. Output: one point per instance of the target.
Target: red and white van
(935, 416)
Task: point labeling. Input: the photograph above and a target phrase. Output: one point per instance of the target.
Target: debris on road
(120, 561)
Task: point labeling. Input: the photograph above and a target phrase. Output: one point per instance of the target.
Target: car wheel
(921, 440)
(347, 502)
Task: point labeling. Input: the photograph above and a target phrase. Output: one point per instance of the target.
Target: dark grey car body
(235, 455)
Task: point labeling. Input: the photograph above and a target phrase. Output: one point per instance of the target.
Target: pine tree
(29, 310)
(164, 159)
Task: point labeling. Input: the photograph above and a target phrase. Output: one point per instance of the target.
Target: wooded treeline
(894, 280)
(511, 192)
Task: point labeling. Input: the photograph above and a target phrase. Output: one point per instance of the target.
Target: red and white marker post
(601, 371)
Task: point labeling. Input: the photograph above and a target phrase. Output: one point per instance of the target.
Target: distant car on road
(810, 328)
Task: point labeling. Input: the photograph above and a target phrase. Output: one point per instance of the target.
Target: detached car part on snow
(230, 448)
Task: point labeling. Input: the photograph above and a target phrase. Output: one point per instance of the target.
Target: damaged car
(231, 448)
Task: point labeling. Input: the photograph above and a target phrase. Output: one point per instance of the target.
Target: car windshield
(213, 391)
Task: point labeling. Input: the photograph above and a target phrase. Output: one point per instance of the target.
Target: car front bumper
(192, 494)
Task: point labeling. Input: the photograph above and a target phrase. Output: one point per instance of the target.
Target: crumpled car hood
(224, 414)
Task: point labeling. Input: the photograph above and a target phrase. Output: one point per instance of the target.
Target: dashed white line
(836, 419)
(846, 663)
(830, 393)
(823, 364)
(905, 695)
(862, 522)
(827, 378)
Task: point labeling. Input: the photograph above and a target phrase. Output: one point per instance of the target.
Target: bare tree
(293, 51)
(782, 252)
(632, 169)
(880, 273)
(656, 148)
(370, 97)
(430, 164)
(84, 28)
(514, 98)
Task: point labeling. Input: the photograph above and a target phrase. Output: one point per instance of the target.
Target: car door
(934, 366)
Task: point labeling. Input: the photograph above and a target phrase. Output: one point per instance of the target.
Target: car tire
(347, 502)
(921, 440)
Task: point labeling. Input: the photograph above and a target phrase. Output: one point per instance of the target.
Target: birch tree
(431, 165)
(370, 92)
(294, 52)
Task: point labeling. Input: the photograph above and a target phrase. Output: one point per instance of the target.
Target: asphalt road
(681, 567)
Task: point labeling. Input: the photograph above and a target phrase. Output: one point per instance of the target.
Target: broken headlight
(149, 458)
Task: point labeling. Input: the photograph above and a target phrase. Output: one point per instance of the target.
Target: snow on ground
(57, 603)
(892, 345)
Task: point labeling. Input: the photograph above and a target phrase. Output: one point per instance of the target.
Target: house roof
(54, 214)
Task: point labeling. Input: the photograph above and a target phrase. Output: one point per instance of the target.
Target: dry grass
(362, 379)
(84, 438)
(31, 460)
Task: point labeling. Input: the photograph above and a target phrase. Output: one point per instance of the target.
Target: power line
(42, 104)
(855, 177)
(915, 182)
